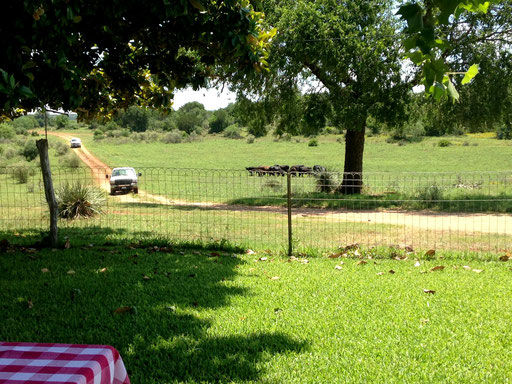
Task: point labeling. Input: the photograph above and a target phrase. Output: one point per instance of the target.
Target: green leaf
(437, 90)
(26, 91)
(452, 92)
(416, 57)
(413, 14)
(470, 74)
(197, 4)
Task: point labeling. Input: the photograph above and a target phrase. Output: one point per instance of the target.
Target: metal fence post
(289, 204)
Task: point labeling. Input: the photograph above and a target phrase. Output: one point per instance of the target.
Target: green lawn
(203, 316)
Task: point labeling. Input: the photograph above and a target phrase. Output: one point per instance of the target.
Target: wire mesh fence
(279, 207)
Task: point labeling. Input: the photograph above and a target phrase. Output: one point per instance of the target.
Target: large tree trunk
(353, 171)
(42, 146)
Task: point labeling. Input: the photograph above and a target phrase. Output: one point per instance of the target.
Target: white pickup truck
(123, 180)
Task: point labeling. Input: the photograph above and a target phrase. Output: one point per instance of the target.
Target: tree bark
(353, 171)
(42, 146)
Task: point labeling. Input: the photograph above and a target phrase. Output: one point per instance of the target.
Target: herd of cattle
(282, 170)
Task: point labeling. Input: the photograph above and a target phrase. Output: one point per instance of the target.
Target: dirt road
(435, 221)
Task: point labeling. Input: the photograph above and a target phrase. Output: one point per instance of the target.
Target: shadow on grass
(173, 296)
(465, 203)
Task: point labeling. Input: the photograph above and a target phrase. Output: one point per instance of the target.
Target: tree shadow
(170, 296)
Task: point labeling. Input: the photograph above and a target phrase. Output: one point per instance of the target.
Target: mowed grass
(222, 316)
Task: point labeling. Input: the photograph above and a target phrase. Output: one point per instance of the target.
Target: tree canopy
(95, 57)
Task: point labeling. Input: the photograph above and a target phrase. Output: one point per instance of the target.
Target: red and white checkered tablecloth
(34, 363)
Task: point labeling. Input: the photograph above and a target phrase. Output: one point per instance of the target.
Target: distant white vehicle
(76, 142)
(123, 179)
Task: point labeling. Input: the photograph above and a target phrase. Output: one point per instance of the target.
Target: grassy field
(204, 316)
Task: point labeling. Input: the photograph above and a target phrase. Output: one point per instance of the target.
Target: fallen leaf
(30, 304)
(351, 246)
(380, 273)
(102, 270)
(429, 291)
(356, 253)
(335, 255)
(431, 252)
(338, 267)
(304, 261)
(478, 270)
(409, 249)
(467, 267)
(67, 244)
(505, 258)
(45, 270)
(392, 272)
(275, 278)
(70, 272)
(250, 252)
(121, 310)
(417, 264)
(262, 259)
(362, 262)
(437, 268)
(145, 277)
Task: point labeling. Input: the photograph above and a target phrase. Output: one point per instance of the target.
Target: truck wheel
(136, 190)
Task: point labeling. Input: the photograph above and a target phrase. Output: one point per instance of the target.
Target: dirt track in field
(435, 221)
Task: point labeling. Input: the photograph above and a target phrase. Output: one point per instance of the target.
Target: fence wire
(459, 211)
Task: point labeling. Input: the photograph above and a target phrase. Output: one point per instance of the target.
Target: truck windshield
(123, 172)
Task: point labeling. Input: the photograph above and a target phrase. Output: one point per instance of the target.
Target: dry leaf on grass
(335, 255)
(102, 270)
(146, 277)
(30, 304)
(437, 268)
(122, 310)
(338, 267)
(67, 244)
(362, 262)
(505, 258)
(70, 272)
(380, 273)
(467, 267)
(263, 259)
(417, 264)
(430, 252)
(478, 270)
(250, 252)
(45, 270)
(275, 278)
(430, 291)
(392, 272)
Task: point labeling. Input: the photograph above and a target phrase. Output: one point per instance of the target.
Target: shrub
(430, 196)
(79, 201)
(29, 150)
(71, 160)
(313, 143)
(10, 153)
(173, 137)
(6, 131)
(34, 134)
(250, 139)
(61, 148)
(21, 173)
(326, 181)
(98, 134)
(444, 143)
(232, 132)
(504, 133)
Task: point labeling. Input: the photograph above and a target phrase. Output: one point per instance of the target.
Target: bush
(250, 139)
(71, 160)
(430, 195)
(29, 150)
(79, 201)
(34, 134)
(313, 143)
(504, 133)
(61, 148)
(10, 153)
(21, 173)
(6, 131)
(173, 137)
(326, 181)
(98, 134)
(232, 132)
(444, 143)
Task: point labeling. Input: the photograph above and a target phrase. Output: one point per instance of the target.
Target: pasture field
(472, 153)
(219, 315)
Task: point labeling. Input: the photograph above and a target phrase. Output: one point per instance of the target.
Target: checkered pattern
(33, 363)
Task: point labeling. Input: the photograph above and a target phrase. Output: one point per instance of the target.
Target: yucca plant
(79, 201)
(326, 181)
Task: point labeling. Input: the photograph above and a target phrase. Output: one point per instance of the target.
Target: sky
(212, 99)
